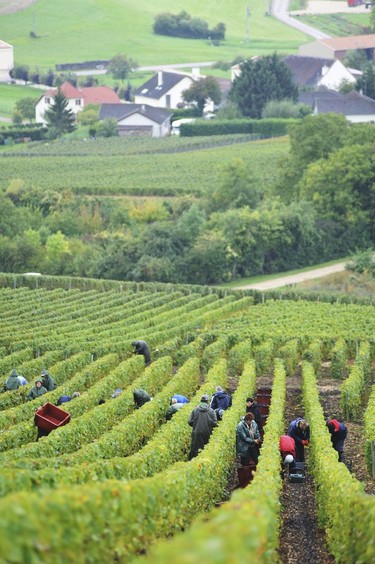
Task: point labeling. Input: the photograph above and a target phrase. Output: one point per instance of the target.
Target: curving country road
(280, 11)
(294, 278)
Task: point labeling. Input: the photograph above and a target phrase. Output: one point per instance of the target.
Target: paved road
(279, 9)
(295, 278)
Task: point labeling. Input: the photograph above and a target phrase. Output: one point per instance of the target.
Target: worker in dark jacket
(252, 407)
(338, 432)
(247, 439)
(287, 448)
(203, 420)
(300, 431)
(220, 401)
(13, 381)
(141, 347)
(37, 391)
(140, 397)
(48, 382)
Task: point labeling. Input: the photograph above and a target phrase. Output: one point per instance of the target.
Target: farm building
(78, 98)
(337, 47)
(6, 61)
(164, 89)
(138, 119)
(356, 107)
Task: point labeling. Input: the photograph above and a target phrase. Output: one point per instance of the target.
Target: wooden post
(373, 459)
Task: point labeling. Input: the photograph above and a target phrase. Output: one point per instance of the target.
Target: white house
(314, 72)
(6, 61)
(138, 119)
(164, 89)
(78, 98)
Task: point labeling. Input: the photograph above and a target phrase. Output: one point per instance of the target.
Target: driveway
(294, 278)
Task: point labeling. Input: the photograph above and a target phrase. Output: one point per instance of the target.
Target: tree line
(318, 207)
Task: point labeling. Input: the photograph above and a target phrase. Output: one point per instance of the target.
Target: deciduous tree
(204, 89)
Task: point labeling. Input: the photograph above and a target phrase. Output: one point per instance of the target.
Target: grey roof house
(356, 107)
(314, 72)
(164, 89)
(138, 119)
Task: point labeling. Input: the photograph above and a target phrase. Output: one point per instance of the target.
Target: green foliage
(366, 82)
(274, 127)
(364, 263)
(340, 496)
(120, 66)
(352, 389)
(285, 109)
(203, 90)
(339, 359)
(184, 25)
(107, 128)
(59, 117)
(262, 79)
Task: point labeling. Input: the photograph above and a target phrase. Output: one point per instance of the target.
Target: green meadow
(74, 31)
(10, 93)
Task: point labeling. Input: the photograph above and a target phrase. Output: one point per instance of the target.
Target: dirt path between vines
(294, 278)
(301, 539)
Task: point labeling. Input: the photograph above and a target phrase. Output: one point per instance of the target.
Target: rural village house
(337, 47)
(138, 119)
(356, 107)
(6, 61)
(164, 89)
(313, 72)
(78, 98)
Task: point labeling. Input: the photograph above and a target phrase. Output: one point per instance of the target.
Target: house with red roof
(78, 98)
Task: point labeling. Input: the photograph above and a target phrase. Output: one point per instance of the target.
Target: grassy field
(72, 31)
(10, 93)
(119, 167)
(339, 24)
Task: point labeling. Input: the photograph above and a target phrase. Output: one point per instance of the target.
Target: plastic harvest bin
(49, 417)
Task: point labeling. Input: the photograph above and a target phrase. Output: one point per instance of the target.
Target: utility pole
(33, 26)
(247, 39)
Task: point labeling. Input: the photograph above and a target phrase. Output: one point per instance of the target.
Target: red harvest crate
(49, 417)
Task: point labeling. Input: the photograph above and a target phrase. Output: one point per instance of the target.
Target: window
(48, 100)
(78, 102)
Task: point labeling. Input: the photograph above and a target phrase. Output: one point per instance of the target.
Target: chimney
(196, 73)
(160, 78)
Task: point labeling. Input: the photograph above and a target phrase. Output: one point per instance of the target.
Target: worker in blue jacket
(300, 431)
(180, 398)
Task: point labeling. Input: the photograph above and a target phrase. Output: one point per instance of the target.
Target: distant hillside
(72, 31)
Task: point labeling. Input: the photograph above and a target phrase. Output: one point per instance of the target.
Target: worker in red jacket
(338, 432)
(287, 448)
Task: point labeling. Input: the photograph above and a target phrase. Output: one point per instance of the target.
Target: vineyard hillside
(115, 482)
(138, 166)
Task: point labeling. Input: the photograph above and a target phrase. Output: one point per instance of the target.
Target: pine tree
(59, 117)
(262, 79)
